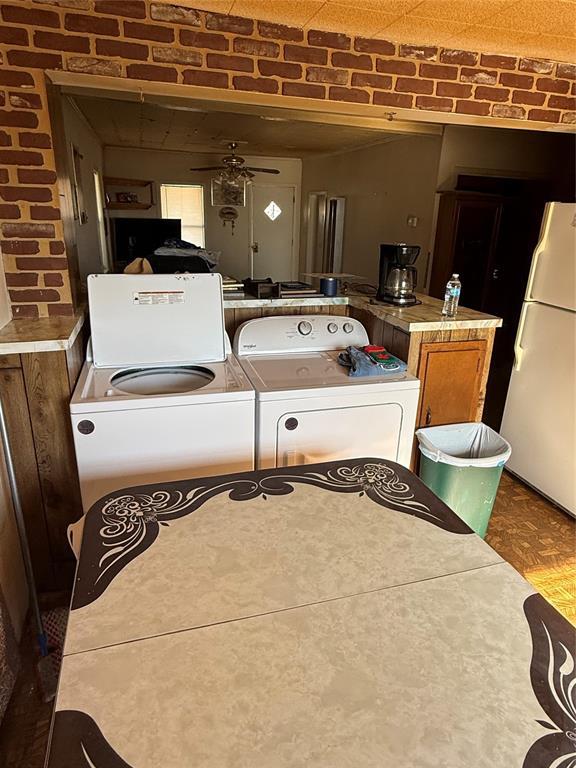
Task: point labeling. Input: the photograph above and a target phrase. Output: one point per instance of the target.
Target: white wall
(169, 167)
(80, 134)
(383, 185)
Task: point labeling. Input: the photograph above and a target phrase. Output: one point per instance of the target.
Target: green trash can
(462, 464)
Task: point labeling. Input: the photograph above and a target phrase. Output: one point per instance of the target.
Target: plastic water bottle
(452, 296)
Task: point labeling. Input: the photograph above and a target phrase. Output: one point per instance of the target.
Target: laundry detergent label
(147, 298)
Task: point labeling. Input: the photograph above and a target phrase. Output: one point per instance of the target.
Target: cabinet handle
(428, 416)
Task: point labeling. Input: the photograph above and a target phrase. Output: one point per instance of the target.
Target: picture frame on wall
(227, 192)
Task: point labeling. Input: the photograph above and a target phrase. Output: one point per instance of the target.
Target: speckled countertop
(44, 334)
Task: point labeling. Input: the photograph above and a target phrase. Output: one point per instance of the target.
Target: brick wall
(146, 40)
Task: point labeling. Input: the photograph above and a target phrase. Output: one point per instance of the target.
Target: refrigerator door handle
(518, 349)
(540, 247)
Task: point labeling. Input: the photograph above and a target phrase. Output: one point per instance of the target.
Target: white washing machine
(161, 397)
(308, 408)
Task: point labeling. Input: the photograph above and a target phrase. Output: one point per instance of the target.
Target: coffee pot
(397, 281)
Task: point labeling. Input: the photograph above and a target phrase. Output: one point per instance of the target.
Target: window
(185, 202)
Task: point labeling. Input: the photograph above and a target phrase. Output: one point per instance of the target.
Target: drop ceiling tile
(492, 40)
(415, 30)
(463, 11)
(393, 7)
(534, 16)
(295, 14)
(553, 47)
(217, 6)
(342, 18)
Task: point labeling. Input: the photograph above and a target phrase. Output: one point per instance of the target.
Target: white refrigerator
(540, 414)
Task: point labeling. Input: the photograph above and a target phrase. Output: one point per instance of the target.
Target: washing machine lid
(156, 319)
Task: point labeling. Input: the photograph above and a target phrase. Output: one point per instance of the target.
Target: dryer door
(305, 437)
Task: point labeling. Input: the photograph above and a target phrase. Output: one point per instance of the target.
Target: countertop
(44, 334)
(329, 615)
(249, 302)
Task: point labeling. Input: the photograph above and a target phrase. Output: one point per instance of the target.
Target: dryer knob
(348, 327)
(304, 328)
(332, 327)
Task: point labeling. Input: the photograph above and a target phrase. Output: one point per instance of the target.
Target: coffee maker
(397, 280)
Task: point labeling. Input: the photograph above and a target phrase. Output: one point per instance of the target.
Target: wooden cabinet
(451, 376)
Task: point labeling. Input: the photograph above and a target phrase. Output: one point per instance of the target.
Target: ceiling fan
(232, 166)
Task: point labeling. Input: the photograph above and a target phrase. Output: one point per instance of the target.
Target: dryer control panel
(287, 334)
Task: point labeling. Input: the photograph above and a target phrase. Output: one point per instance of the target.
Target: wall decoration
(228, 192)
(228, 214)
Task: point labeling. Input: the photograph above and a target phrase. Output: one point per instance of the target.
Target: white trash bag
(464, 445)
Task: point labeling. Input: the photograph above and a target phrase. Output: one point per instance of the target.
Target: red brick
(434, 104)
(418, 52)
(57, 42)
(204, 40)
(562, 102)
(510, 112)
(152, 32)
(15, 79)
(34, 295)
(256, 47)
(19, 247)
(30, 194)
(566, 70)
(36, 176)
(8, 211)
(451, 56)
(305, 55)
(176, 14)
(304, 89)
(44, 213)
(329, 39)
(135, 9)
(485, 93)
(3, 176)
(28, 231)
(60, 310)
(177, 56)
(24, 310)
(480, 76)
(53, 280)
(457, 90)
(24, 100)
(280, 32)
(352, 60)
(122, 50)
(473, 107)
(538, 66)
(337, 93)
(573, 89)
(235, 24)
(32, 60)
(544, 115)
(56, 248)
(5, 141)
(569, 117)
(21, 279)
(34, 17)
(207, 79)
(367, 79)
(89, 24)
(41, 263)
(258, 84)
(498, 62)
(438, 71)
(414, 85)
(20, 157)
(552, 85)
(13, 36)
(92, 66)
(38, 140)
(369, 45)
(152, 72)
(528, 97)
(223, 61)
(395, 67)
(2, 99)
(327, 75)
(512, 80)
(280, 69)
(384, 99)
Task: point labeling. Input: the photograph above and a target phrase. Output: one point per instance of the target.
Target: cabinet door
(451, 375)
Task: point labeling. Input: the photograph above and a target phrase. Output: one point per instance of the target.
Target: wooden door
(451, 375)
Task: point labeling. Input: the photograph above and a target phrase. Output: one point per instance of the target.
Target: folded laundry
(361, 363)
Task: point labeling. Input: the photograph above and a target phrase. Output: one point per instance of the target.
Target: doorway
(272, 230)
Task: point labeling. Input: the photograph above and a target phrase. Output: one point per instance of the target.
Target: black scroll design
(553, 678)
(77, 742)
(122, 526)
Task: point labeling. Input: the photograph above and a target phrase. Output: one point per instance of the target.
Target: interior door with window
(272, 231)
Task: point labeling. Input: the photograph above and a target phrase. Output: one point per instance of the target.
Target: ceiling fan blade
(263, 170)
(209, 168)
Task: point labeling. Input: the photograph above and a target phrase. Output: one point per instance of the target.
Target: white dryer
(308, 408)
(161, 397)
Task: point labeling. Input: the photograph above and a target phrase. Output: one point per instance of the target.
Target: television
(134, 238)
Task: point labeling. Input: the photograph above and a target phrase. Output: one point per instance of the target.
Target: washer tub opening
(165, 380)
